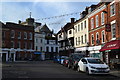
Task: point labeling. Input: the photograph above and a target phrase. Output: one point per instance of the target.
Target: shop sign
(108, 28)
(112, 45)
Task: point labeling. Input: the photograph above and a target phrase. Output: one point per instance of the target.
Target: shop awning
(115, 44)
(37, 53)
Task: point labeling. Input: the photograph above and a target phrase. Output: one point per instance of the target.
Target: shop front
(111, 53)
(83, 50)
(94, 51)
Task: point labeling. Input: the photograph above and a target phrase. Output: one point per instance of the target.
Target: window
(85, 23)
(25, 45)
(19, 35)
(102, 18)
(3, 34)
(36, 40)
(47, 41)
(56, 49)
(31, 45)
(18, 44)
(97, 38)
(112, 9)
(12, 44)
(12, 34)
(97, 21)
(47, 49)
(76, 41)
(113, 26)
(75, 28)
(60, 36)
(41, 40)
(51, 49)
(82, 39)
(78, 27)
(36, 48)
(103, 36)
(40, 48)
(92, 39)
(30, 35)
(92, 23)
(70, 32)
(81, 26)
(25, 35)
(85, 38)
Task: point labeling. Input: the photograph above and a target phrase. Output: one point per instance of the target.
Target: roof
(45, 28)
(66, 27)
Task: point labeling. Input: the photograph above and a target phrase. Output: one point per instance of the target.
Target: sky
(14, 11)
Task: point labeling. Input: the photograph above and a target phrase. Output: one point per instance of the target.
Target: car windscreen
(78, 56)
(95, 61)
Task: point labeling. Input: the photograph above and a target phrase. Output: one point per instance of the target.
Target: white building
(45, 42)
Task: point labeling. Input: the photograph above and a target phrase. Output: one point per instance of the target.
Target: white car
(93, 66)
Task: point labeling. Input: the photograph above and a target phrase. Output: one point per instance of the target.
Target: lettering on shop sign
(112, 45)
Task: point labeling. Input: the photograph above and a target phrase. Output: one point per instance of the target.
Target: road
(45, 69)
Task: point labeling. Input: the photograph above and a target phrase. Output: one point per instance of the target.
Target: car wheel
(87, 71)
(78, 69)
(69, 66)
(73, 67)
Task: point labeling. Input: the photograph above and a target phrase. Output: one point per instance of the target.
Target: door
(3, 57)
(12, 57)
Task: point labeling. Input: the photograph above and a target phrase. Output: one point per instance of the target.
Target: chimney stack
(72, 20)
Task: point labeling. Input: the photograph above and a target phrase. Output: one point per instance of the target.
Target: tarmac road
(46, 69)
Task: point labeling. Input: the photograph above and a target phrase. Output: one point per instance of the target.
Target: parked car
(93, 66)
(73, 60)
(62, 59)
(65, 62)
(56, 59)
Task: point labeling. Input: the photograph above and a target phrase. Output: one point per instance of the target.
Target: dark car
(74, 59)
(65, 62)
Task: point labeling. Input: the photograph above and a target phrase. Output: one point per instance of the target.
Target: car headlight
(92, 67)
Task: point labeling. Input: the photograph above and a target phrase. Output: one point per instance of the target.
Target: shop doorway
(12, 57)
(3, 57)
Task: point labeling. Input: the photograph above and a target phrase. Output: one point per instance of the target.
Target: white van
(93, 66)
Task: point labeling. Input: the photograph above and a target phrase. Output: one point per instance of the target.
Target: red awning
(115, 44)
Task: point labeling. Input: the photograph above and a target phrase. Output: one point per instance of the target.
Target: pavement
(115, 72)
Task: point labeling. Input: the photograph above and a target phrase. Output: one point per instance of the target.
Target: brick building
(17, 41)
(104, 30)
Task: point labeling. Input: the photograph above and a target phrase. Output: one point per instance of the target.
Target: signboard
(108, 28)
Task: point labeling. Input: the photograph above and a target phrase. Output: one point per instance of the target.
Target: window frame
(102, 18)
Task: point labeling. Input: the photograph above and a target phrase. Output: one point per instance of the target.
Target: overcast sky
(14, 11)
